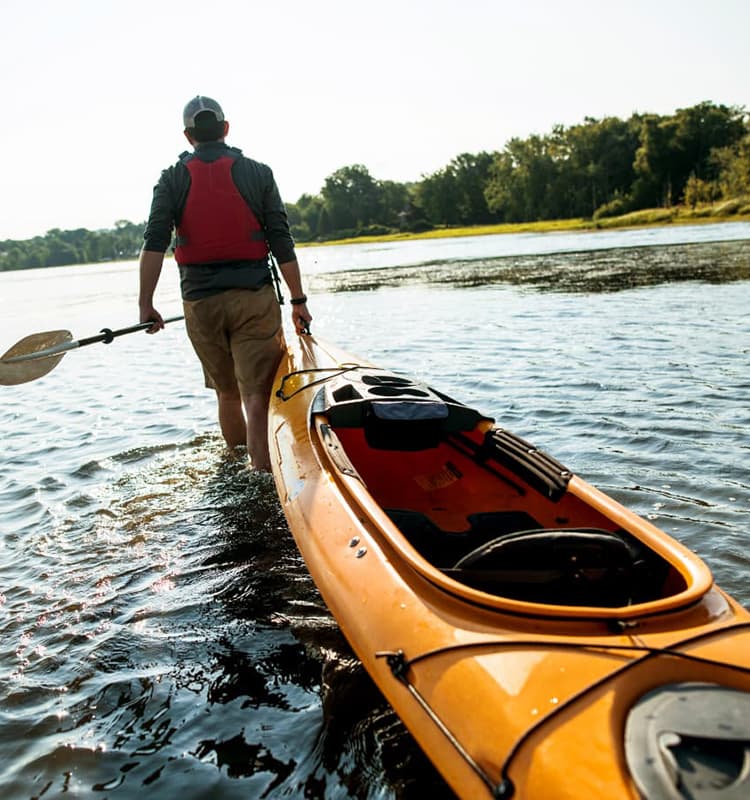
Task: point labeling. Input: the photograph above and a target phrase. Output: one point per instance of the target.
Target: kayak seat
(443, 548)
(570, 567)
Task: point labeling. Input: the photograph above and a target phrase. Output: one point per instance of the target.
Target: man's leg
(256, 413)
(231, 419)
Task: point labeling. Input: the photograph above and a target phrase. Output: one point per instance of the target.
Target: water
(160, 632)
(388, 254)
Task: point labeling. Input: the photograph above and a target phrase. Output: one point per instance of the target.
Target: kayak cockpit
(569, 567)
(487, 516)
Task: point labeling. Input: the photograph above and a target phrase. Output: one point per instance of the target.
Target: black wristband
(299, 301)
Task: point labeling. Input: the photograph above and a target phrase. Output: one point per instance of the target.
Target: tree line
(58, 248)
(598, 168)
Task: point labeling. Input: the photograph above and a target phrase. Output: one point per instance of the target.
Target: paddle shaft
(106, 336)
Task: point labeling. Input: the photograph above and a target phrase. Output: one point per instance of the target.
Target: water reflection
(581, 272)
(178, 643)
(357, 746)
(160, 631)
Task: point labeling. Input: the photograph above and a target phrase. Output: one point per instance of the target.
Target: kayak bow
(539, 640)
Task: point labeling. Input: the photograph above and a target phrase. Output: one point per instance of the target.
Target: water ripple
(160, 632)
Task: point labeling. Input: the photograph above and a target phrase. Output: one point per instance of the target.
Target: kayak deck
(513, 615)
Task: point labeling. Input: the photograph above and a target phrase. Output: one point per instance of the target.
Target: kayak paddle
(37, 354)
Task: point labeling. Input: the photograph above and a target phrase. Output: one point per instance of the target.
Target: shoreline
(652, 218)
(649, 218)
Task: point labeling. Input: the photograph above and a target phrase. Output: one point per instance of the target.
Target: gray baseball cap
(196, 105)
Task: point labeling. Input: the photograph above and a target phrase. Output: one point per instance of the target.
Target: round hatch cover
(690, 741)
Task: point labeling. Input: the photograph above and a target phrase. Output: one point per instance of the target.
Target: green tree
(597, 162)
(524, 181)
(699, 191)
(654, 163)
(304, 216)
(394, 201)
(701, 130)
(732, 165)
(11, 256)
(435, 197)
(60, 249)
(455, 195)
(676, 147)
(351, 198)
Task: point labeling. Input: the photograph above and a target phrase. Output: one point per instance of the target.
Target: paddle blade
(17, 372)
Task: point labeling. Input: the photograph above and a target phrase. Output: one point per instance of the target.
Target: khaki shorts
(237, 336)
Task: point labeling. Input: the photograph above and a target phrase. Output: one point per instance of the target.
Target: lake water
(160, 633)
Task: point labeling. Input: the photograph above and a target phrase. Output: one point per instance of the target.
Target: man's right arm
(169, 193)
(149, 271)
(157, 238)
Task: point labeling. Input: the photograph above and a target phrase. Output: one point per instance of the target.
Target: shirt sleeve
(163, 214)
(258, 186)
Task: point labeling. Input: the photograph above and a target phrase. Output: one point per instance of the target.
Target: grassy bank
(726, 211)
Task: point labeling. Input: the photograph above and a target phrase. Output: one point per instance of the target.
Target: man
(229, 219)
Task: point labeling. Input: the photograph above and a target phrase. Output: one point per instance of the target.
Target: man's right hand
(150, 314)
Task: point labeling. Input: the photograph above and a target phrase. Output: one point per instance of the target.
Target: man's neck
(198, 145)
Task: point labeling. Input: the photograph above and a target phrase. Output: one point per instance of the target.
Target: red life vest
(217, 225)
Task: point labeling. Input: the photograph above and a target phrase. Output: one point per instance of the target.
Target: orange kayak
(539, 640)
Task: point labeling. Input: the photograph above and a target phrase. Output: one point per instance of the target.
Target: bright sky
(93, 90)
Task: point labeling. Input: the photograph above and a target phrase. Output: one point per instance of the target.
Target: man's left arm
(276, 224)
(281, 242)
(301, 316)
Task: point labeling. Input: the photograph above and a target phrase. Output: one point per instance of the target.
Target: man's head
(204, 120)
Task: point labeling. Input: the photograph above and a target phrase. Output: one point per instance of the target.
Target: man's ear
(188, 136)
(226, 128)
